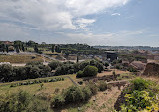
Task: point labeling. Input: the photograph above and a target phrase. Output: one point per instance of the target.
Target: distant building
(110, 55)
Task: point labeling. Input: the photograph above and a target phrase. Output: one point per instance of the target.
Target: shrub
(14, 102)
(73, 94)
(79, 74)
(141, 96)
(102, 86)
(93, 88)
(140, 100)
(58, 101)
(140, 84)
(87, 93)
(54, 64)
(90, 71)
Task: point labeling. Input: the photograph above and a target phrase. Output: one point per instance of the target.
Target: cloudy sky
(95, 22)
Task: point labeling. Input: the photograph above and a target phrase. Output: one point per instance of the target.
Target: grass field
(48, 88)
(20, 58)
(110, 72)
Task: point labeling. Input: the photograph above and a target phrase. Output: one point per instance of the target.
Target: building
(110, 55)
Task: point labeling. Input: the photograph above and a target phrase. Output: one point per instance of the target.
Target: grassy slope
(48, 88)
(19, 58)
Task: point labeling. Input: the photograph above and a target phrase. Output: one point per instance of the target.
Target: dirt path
(104, 101)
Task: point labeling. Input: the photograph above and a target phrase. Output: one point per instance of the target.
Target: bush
(140, 84)
(90, 71)
(73, 94)
(87, 93)
(21, 102)
(93, 88)
(141, 96)
(140, 100)
(79, 74)
(58, 101)
(14, 102)
(102, 86)
(54, 64)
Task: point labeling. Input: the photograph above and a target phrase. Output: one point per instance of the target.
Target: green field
(48, 87)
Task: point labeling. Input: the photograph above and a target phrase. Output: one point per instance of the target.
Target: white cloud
(115, 14)
(83, 23)
(54, 14)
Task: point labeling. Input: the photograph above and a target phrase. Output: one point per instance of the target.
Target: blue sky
(94, 22)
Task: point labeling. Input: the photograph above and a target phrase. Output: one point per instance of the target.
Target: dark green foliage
(106, 64)
(79, 74)
(36, 49)
(7, 50)
(57, 49)
(52, 48)
(30, 71)
(95, 63)
(58, 101)
(90, 71)
(72, 94)
(5, 72)
(65, 69)
(54, 64)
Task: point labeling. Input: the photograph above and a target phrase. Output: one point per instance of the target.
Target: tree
(53, 48)
(77, 58)
(36, 49)
(17, 49)
(90, 71)
(5, 72)
(23, 49)
(54, 64)
(57, 49)
(7, 50)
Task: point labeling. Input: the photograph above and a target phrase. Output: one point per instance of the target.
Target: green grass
(48, 88)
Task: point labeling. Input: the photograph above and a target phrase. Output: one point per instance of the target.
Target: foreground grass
(48, 88)
(20, 58)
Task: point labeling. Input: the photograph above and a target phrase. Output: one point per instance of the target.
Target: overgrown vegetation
(70, 67)
(141, 95)
(22, 102)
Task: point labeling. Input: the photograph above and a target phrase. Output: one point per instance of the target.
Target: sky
(93, 22)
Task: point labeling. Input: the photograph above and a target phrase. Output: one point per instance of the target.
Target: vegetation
(32, 70)
(54, 64)
(141, 95)
(21, 102)
(37, 82)
(73, 94)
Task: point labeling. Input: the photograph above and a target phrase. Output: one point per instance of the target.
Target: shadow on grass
(77, 106)
(120, 100)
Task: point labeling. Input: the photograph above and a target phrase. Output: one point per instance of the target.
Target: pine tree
(52, 48)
